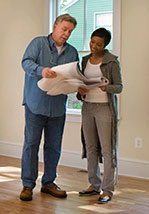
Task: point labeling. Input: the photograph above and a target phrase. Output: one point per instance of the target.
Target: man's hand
(48, 73)
(82, 91)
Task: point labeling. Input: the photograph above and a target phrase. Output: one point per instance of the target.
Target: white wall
(21, 21)
(135, 64)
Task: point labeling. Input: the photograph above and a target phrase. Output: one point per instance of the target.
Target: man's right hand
(48, 73)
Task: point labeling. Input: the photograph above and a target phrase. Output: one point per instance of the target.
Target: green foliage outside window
(73, 102)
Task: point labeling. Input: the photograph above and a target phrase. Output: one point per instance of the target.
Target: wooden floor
(131, 195)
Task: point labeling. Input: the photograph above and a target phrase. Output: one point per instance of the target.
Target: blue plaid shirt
(41, 53)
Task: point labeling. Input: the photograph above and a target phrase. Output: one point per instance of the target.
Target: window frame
(75, 115)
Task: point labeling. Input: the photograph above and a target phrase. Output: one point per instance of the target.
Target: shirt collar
(52, 43)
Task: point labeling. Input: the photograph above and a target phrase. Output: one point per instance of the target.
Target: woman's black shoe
(88, 192)
(104, 199)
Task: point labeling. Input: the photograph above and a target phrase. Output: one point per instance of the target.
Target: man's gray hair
(65, 17)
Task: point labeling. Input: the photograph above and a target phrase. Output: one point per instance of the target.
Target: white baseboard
(127, 167)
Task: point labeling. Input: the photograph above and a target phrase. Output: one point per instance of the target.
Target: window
(104, 19)
(90, 14)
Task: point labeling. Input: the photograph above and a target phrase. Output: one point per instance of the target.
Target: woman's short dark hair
(103, 33)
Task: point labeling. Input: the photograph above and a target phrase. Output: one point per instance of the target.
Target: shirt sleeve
(30, 59)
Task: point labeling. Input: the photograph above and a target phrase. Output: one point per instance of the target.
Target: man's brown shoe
(54, 190)
(26, 194)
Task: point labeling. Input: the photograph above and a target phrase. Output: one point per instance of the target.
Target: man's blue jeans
(53, 131)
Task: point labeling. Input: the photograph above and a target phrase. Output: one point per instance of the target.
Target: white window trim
(100, 13)
(69, 4)
(75, 115)
(53, 11)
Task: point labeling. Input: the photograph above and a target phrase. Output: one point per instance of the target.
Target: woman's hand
(103, 88)
(82, 91)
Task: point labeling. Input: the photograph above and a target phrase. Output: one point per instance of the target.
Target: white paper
(68, 79)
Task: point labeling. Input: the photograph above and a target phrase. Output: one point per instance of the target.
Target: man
(44, 112)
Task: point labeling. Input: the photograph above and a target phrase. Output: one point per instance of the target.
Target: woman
(99, 115)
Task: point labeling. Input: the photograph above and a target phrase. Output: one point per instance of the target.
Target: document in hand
(68, 79)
